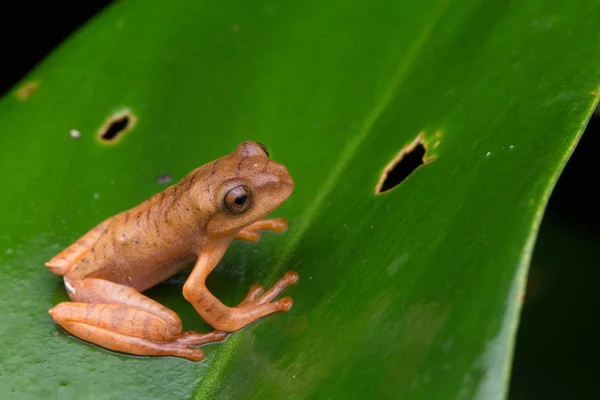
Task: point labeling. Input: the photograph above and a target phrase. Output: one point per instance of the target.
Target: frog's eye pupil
(241, 200)
(238, 200)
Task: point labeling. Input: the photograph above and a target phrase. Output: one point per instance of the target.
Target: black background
(30, 31)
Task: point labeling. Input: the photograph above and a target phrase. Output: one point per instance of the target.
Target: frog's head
(250, 187)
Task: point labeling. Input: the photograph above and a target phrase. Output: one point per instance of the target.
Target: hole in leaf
(405, 163)
(116, 126)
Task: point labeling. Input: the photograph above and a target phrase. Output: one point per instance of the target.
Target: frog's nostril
(406, 161)
(117, 125)
(282, 174)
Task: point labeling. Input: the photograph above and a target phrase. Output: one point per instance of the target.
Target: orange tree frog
(106, 270)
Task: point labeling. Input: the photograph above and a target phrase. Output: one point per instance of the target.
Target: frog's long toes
(284, 304)
(253, 293)
(220, 336)
(279, 224)
(194, 339)
(289, 278)
(190, 353)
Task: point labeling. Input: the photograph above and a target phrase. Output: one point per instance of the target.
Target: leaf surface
(413, 293)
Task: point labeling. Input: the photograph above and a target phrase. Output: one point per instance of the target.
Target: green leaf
(413, 293)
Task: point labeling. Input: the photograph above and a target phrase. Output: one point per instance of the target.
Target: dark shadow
(557, 348)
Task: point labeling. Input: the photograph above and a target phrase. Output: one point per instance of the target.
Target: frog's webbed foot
(120, 318)
(251, 233)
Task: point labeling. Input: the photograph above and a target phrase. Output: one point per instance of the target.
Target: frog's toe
(286, 281)
(192, 338)
(254, 292)
(284, 304)
(257, 295)
(190, 353)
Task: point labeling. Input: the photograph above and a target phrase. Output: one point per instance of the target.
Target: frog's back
(148, 243)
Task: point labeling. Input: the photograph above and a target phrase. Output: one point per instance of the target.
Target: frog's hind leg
(63, 261)
(120, 318)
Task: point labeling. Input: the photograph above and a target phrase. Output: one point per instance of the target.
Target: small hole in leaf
(116, 126)
(405, 163)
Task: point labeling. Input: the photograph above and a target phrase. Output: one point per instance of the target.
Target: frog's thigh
(118, 308)
(120, 318)
(95, 290)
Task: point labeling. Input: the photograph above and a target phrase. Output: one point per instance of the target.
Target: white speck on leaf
(511, 146)
(544, 23)
(164, 179)
(75, 134)
(489, 153)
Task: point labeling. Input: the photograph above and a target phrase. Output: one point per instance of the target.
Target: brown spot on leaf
(27, 89)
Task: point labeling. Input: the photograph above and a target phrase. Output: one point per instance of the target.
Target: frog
(107, 270)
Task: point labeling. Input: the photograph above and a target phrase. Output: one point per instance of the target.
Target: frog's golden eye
(239, 199)
(262, 146)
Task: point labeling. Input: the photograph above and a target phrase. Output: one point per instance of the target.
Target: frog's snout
(286, 179)
(281, 174)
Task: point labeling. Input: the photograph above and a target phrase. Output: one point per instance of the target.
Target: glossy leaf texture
(414, 293)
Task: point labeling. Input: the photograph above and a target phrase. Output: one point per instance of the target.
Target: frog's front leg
(120, 318)
(251, 233)
(228, 319)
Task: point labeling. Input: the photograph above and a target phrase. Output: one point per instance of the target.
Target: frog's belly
(142, 273)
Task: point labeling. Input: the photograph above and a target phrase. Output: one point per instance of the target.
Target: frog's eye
(238, 199)
(262, 146)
